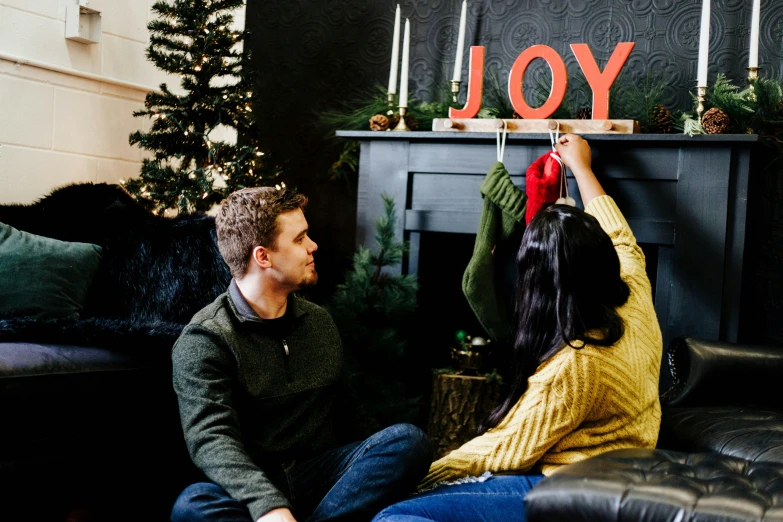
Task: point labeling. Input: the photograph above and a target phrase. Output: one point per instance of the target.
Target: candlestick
(406, 54)
(401, 125)
(454, 89)
(753, 61)
(395, 57)
(702, 94)
(704, 44)
(753, 76)
(460, 42)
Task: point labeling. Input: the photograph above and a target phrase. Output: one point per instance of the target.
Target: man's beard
(310, 281)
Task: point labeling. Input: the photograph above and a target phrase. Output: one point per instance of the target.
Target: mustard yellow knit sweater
(580, 402)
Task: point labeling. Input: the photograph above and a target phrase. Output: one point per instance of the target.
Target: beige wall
(66, 107)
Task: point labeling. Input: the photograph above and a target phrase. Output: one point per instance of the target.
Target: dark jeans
(349, 483)
(498, 499)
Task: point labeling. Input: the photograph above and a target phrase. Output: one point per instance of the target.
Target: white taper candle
(395, 57)
(754, 34)
(704, 45)
(460, 42)
(406, 54)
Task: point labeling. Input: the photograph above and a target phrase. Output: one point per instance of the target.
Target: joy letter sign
(600, 81)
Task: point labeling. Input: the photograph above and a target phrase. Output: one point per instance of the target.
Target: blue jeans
(498, 499)
(353, 482)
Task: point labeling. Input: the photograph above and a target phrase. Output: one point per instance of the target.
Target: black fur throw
(154, 270)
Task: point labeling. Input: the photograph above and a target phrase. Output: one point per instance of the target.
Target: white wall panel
(25, 112)
(35, 37)
(94, 125)
(28, 174)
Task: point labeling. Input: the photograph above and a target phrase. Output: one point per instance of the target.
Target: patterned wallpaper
(313, 55)
(337, 46)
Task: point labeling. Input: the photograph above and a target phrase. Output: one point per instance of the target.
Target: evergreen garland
(543, 89)
(757, 109)
(355, 114)
(637, 101)
(373, 312)
(189, 168)
(495, 98)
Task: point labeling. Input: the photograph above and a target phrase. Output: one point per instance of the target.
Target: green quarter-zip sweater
(255, 392)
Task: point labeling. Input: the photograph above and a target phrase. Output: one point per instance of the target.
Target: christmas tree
(373, 311)
(190, 167)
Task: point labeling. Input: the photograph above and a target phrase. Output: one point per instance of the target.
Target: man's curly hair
(247, 219)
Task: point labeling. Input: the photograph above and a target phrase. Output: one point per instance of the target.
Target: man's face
(292, 258)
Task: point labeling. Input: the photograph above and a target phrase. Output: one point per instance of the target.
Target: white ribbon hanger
(502, 148)
(567, 200)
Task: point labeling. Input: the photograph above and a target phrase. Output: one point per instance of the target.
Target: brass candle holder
(390, 101)
(753, 76)
(455, 89)
(401, 125)
(702, 94)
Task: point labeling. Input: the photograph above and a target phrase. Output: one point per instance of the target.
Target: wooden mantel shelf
(483, 136)
(687, 196)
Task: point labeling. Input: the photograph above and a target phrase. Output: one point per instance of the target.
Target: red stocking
(542, 184)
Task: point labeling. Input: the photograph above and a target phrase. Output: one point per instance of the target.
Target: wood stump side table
(458, 405)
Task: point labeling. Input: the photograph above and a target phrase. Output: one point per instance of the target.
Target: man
(257, 374)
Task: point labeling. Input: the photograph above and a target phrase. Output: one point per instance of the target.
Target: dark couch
(90, 421)
(719, 454)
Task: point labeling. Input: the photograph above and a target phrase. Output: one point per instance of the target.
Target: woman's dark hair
(568, 290)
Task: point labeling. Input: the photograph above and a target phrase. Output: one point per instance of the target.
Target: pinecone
(585, 113)
(715, 121)
(379, 122)
(660, 120)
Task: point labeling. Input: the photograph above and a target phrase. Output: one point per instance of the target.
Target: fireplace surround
(687, 197)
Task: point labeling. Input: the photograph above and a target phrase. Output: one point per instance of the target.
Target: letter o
(517, 77)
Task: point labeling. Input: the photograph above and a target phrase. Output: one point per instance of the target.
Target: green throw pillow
(42, 277)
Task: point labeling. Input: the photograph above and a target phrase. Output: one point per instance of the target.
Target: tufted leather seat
(662, 486)
(748, 433)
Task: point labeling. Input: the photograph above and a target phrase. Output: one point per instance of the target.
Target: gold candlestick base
(702, 94)
(390, 101)
(402, 126)
(455, 89)
(753, 77)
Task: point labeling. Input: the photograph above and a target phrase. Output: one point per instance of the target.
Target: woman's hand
(575, 152)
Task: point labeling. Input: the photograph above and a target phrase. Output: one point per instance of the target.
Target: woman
(587, 354)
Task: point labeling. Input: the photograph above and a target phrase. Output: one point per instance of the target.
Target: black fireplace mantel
(686, 195)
